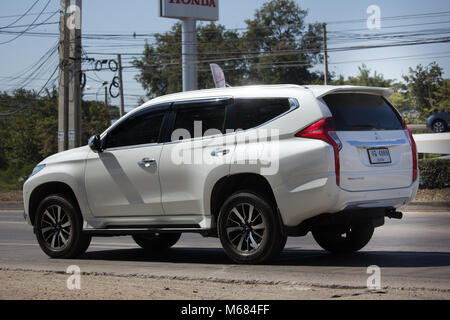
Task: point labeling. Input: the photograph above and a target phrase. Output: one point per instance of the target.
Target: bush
(13, 179)
(434, 173)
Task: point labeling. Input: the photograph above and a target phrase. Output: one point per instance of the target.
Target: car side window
(197, 122)
(251, 113)
(137, 130)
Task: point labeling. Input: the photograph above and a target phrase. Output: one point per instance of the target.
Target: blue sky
(141, 16)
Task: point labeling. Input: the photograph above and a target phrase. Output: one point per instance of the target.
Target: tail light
(413, 149)
(324, 130)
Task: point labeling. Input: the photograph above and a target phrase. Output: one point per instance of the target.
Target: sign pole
(189, 54)
(189, 11)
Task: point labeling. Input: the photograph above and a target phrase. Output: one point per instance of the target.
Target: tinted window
(207, 118)
(250, 113)
(140, 129)
(362, 112)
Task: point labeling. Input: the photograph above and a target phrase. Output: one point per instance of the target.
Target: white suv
(250, 165)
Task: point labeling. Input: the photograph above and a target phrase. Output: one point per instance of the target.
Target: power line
(28, 28)
(29, 14)
(31, 25)
(7, 114)
(23, 15)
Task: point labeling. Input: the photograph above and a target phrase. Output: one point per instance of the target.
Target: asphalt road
(412, 253)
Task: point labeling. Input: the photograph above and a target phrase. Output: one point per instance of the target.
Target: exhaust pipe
(393, 214)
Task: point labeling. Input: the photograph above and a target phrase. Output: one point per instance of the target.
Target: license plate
(379, 155)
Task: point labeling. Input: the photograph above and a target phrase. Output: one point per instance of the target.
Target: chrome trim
(136, 146)
(369, 144)
(378, 203)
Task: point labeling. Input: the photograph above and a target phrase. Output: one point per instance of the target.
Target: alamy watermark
(73, 282)
(374, 19)
(257, 147)
(73, 13)
(374, 280)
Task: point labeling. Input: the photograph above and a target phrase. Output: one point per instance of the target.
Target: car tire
(249, 229)
(59, 228)
(343, 240)
(156, 242)
(439, 126)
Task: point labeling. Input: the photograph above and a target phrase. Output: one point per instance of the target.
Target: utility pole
(75, 76)
(63, 79)
(122, 107)
(189, 54)
(325, 54)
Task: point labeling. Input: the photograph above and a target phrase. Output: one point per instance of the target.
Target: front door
(123, 180)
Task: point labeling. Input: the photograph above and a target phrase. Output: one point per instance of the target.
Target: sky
(427, 19)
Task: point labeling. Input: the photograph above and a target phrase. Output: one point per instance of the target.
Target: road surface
(413, 253)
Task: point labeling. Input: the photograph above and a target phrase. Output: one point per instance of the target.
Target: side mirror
(95, 143)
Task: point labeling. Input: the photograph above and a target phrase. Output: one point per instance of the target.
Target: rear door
(197, 155)
(376, 153)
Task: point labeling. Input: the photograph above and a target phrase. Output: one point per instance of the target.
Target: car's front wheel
(59, 228)
(249, 229)
(343, 239)
(156, 242)
(439, 126)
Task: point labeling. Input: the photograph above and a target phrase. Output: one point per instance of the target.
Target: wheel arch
(228, 185)
(46, 189)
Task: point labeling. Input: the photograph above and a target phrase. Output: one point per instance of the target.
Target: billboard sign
(193, 9)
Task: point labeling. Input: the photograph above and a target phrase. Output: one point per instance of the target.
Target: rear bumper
(327, 197)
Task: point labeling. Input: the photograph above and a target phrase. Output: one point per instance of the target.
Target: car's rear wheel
(343, 239)
(59, 228)
(156, 242)
(249, 229)
(439, 126)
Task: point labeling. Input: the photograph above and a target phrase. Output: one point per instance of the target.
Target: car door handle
(219, 152)
(146, 162)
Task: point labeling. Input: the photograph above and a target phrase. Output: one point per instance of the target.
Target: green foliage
(434, 173)
(400, 101)
(441, 97)
(364, 78)
(277, 48)
(279, 27)
(31, 134)
(422, 83)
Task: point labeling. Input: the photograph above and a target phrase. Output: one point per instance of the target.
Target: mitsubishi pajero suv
(249, 165)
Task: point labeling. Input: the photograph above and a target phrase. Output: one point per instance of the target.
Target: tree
(161, 69)
(276, 48)
(400, 101)
(30, 135)
(422, 83)
(364, 78)
(441, 97)
(285, 52)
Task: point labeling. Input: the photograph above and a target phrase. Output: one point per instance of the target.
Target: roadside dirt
(37, 285)
(422, 195)
(11, 196)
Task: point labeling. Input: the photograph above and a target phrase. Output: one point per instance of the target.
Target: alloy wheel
(245, 227)
(56, 227)
(439, 126)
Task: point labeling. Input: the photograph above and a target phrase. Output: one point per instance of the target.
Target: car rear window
(362, 112)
